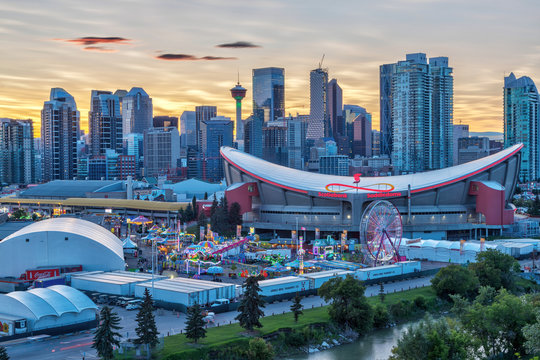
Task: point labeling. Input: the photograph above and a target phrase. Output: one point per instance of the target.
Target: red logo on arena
(378, 188)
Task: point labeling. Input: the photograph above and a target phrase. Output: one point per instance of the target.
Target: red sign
(332, 195)
(42, 273)
(383, 195)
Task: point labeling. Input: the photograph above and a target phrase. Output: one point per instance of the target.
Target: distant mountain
(492, 135)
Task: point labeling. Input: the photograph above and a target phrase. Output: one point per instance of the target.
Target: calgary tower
(238, 93)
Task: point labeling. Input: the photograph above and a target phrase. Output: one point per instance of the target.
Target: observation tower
(238, 93)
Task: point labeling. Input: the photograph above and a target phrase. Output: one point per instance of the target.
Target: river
(375, 346)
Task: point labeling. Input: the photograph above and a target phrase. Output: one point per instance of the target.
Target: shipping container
(43, 283)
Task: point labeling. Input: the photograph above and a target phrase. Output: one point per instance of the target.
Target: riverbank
(230, 340)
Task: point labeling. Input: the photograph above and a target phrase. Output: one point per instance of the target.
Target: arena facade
(467, 201)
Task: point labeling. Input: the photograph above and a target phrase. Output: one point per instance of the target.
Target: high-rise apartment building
(59, 135)
(17, 155)
(161, 150)
(188, 129)
(296, 141)
(202, 113)
(216, 132)
(268, 105)
(275, 142)
(319, 125)
(334, 97)
(460, 131)
(385, 87)
(521, 123)
(137, 111)
(105, 122)
(361, 142)
(421, 118)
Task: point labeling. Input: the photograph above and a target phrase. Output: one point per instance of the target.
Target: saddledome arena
(467, 201)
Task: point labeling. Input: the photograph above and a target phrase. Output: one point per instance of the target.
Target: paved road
(75, 346)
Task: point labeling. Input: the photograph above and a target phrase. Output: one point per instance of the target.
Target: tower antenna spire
(238, 72)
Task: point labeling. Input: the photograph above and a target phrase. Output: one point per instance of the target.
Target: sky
(188, 53)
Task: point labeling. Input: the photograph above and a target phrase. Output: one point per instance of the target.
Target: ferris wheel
(381, 230)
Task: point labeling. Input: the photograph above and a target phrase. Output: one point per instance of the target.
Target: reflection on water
(375, 346)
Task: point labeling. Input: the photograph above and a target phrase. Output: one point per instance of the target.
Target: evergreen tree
(205, 196)
(234, 215)
(195, 323)
(296, 307)
(382, 295)
(214, 206)
(195, 208)
(250, 307)
(146, 324)
(3, 353)
(105, 336)
(188, 213)
(224, 216)
(203, 220)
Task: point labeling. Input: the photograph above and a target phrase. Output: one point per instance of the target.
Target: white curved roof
(303, 181)
(38, 303)
(61, 242)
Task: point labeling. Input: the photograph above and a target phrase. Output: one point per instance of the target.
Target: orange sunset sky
(188, 53)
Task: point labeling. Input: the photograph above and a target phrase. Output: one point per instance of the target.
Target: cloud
(99, 48)
(238, 45)
(93, 40)
(188, 57)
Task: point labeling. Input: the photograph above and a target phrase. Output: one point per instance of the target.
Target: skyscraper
(105, 122)
(460, 131)
(361, 144)
(296, 141)
(335, 109)
(319, 125)
(521, 123)
(216, 132)
(442, 112)
(239, 93)
(17, 155)
(421, 100)
(268, 105)
(202, 113)
(188, 129)
(137, 111)
(275, 142)
(385, 87)
(161, 150)
(59, 135)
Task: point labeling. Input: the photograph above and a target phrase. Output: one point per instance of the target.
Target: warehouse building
(115, 283)
(180, 293)
(283, 285)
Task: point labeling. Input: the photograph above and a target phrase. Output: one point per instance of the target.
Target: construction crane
(320, 62)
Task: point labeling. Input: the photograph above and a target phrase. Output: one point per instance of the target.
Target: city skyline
(82, 51)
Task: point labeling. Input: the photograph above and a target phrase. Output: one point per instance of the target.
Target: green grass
(218, 337)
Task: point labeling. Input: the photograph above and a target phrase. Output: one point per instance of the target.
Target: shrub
(381, 317)
(420, 302)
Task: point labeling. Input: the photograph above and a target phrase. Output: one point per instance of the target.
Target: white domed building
(60, 242)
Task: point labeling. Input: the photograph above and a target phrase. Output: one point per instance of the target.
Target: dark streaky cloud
(93, 40)
(99, 48)
(239, 45)
(188, 57)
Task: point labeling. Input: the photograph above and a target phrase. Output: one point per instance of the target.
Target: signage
(238, 231)
(383, 195)
(337, 188)
(332, 194)
(42, 273)
(4, 327)
(317, 233)
(293, 235)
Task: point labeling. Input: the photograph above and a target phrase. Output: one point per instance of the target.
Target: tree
(250, 306)
(146, 324)
(349, 306)
(194, 207)
(188, 213)
(296, 307)
(195, 323)
(105, 336)
(203, 220)
(3, 353)
(381, 317)
(498, 327)
(495, 269)
(259, 349)
(440, 339)
(382, 294)
(235, 218)
(531, 333)
(454, 279)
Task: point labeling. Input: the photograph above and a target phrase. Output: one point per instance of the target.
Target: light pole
(153, 244)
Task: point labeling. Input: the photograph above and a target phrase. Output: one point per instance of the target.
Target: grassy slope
(223, 335)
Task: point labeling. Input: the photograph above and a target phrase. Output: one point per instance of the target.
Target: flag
(302, 228)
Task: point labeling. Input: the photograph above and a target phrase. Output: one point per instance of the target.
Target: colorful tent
(215, 270)
(129, 244)
(140, 220)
